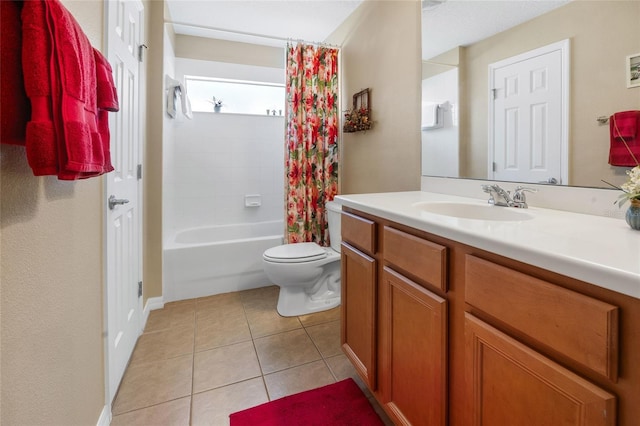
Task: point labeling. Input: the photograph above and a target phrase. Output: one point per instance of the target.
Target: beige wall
(229, 51)
(602, 34)
(152, 173)
(381, 50)
(51, 285)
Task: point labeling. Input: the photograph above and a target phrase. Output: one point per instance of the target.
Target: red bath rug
(341, 403)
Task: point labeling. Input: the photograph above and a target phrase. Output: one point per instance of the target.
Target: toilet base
(295, 302)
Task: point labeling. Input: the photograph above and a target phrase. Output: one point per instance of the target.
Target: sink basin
(473, 211)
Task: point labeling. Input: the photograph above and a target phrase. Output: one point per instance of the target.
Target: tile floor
(200, 360)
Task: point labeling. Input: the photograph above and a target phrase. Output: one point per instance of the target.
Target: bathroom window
(235, 96)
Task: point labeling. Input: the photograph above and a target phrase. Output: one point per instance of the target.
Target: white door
(528, 138)
(123, 218)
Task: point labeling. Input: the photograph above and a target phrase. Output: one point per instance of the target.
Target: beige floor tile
(217, 300)
(181, 304)
(175, 314)
(320, 317)
(213, 311)
(152, 383)
(223, 366)
(212, 408)
(285, 350)
(172, 413)
(260, 298)
(226, 365)
(342, 369)
(167, 343)
(214, 331)
(267, 321)
(298, 379)
(326, 338)
(219, 305)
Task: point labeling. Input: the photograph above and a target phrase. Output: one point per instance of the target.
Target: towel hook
(602, 119)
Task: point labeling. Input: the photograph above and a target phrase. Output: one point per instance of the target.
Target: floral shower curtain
(311, 157)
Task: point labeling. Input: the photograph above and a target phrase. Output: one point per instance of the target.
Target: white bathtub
(202, 262)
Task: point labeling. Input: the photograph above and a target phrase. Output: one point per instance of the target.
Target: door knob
(550, 181)
(113, 202)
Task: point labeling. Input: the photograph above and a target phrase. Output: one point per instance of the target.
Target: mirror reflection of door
(528, 140)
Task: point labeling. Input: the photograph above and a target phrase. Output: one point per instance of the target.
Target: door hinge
(494, 93)
(139, 288)
(494, 167)
(141, 51)
(139, 171)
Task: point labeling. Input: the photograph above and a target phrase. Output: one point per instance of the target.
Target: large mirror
(468, 45)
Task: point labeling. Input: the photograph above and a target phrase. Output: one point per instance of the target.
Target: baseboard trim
(105, 416)
(152, 304)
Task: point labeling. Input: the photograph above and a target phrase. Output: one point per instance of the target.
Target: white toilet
(308, 275)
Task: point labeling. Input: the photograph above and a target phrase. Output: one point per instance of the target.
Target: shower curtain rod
(248, 34)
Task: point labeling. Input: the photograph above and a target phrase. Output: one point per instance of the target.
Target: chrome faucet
(519, 199)
(497, 195)
(500, 197)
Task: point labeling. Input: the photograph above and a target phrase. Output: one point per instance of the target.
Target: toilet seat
(295, 253)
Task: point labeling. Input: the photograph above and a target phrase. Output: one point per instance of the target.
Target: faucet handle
(521, 188)
(489, 190)
(519, 198)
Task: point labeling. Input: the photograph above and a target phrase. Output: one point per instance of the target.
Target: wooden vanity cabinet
(447, 334)
(412, 335)
(359, 296)
(394, 324)
(512, 384)
(413, 351)
(515, 383)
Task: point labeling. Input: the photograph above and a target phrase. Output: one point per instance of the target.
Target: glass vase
(633, 215)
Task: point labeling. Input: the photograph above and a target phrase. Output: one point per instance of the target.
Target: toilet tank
(334, 217)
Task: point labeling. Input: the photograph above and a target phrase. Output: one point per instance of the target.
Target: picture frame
(358, 118)
(633, 70)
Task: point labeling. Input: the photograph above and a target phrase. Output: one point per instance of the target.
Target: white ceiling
(271, 22)
(274, 20)
(463, 22)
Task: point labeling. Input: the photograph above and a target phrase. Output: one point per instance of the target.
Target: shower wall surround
(216, 159)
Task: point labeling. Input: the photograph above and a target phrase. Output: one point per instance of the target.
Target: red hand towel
(107, 99)
(624, 124)
(66, 136)
(41, 141)
(14, 104)
(74, 83)
(624, 130)
(106, 90)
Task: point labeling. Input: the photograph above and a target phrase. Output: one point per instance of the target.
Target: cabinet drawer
(572, 324)
(416, 256)
(359, 232)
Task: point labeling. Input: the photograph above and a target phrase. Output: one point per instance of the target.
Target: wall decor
(633, 70)
(358, 118)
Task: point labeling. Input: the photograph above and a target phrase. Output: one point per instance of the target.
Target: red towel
(68, 135)
(624, 130)
(107, 100)
(14, 104)
(42, 150)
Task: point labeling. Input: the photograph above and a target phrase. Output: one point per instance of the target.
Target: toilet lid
(295, 253)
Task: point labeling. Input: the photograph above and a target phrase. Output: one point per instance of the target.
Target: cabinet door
(511, 384)
(413, 351)
(358, 312)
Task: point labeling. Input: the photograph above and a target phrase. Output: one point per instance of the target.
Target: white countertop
(598, 250)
